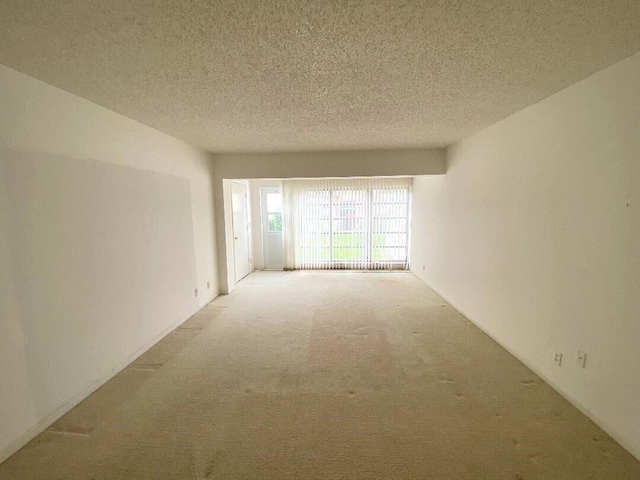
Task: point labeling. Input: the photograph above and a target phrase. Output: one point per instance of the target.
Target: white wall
(106, 229)
(256, 218)
(375, 163)
(534, 234)
(354, 163)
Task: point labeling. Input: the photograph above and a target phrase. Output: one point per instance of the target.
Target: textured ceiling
(267, 75)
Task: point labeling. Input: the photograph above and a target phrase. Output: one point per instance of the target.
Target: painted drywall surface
(533, 233)
(375, 163)
(356, 163)
(38, 118)
(256, 218)
(81, 332)
(80, 239)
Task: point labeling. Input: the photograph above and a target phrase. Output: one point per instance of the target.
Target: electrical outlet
(423, 268)
(195, 292)
(557, 358)
(208, 284)
(582, 359)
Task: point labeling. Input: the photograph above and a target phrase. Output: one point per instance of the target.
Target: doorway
(271, 205)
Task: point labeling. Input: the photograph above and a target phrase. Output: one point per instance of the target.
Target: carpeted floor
(325, 375)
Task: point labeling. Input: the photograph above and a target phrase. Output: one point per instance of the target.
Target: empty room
(319, 239)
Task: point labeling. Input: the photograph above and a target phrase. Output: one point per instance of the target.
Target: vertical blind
(354, 223)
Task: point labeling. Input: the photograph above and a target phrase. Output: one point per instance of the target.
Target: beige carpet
(327, 375)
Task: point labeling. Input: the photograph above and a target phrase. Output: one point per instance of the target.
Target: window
(274, 212)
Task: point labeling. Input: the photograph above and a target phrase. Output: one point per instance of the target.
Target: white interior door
(240, 230)
(271, 203)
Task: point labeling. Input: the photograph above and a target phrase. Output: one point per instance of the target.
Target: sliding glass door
(390, 225)
(349, 223)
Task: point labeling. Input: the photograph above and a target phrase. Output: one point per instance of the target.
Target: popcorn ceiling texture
(270, 75)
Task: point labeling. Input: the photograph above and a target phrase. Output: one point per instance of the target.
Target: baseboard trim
(46, 422)
(566, 395)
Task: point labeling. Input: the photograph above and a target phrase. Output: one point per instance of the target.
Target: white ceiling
(267, 75)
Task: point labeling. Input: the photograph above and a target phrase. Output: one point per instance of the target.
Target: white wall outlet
(582, 359)
(557, 359)
(423, 268)
(208, 284)
(195, 292)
